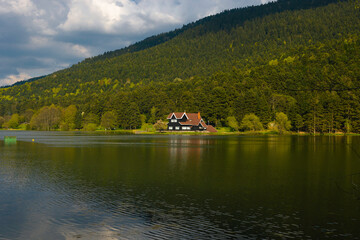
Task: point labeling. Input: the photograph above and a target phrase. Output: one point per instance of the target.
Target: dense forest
(300, 58)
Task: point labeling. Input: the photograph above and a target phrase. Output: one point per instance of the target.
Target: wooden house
(182, 121)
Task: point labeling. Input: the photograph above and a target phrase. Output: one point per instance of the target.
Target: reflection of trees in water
(184, 186)
(351, 185)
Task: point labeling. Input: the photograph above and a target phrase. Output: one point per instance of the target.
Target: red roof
(211, 129)
(178, 115)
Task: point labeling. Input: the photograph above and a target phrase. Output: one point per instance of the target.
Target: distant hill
(291, 56)
(24, 81)
(226, 20)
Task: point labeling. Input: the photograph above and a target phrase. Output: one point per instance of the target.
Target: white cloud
(11, 79)
(267, 1)
(129, 17)
(111, 16)
(23, 7)
(38, 43)
(80, 51)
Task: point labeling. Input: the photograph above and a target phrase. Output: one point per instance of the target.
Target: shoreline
(221, 133)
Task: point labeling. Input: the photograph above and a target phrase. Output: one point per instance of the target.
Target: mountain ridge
(270, 8)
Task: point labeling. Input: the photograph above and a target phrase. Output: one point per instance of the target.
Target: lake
(68, 185)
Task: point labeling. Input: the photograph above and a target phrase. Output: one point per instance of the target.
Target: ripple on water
(51, 196)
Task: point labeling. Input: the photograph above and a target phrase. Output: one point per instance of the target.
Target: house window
(177, 128)
(170, 128)
(173, 120)
(185, 128)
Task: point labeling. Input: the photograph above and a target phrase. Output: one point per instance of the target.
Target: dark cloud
(12, 30)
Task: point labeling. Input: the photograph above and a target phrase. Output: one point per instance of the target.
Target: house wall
(198, 128)
(172, 126)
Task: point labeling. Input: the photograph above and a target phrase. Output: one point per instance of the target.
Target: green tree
(91, 118)
(108, 120)
(160, 125)
(298, 122)
(153, 114)
(90, 127)
(28, 115)
(47, 118)
(129, 116)
(251, 122)
(281, 102)
(219, 105)
(2, 121)
(68, 118)
(78, 119)
(13, 121)
(347, 126)
(232, 123)
(134, 116)
(143, 119)
(282, 122)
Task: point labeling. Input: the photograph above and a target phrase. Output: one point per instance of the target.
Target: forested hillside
(301, 58)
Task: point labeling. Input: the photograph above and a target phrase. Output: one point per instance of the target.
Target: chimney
(199, 116)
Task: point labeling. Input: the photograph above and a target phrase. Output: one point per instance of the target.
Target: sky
(38, 37)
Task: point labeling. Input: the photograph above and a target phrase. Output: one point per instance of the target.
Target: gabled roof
(178, 115)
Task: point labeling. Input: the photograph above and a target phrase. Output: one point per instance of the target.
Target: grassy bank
(226, 132)
(149, 130)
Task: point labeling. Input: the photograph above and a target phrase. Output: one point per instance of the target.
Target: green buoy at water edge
(10, 139)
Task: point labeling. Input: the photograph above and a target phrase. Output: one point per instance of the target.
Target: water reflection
(131, 187)
(182, 150)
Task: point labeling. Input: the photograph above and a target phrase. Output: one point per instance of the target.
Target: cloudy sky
(38, 37)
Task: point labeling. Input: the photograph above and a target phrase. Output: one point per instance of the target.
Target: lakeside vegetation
(299, 59)
(54, 118)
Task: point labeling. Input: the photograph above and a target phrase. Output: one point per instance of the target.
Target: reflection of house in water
(187, 149)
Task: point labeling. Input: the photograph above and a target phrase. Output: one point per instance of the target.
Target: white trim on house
(172, 116)
(185, 115)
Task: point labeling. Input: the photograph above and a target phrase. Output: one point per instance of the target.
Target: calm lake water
(78, 186)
